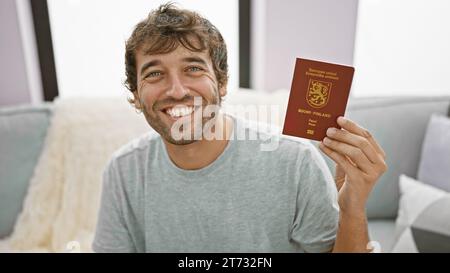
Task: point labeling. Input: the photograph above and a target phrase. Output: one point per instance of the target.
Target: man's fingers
(352, 127)
(354, 153)
(340, 159)
(339, 177)
(356, 141)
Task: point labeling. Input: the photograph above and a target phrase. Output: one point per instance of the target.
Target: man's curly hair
(164, 30)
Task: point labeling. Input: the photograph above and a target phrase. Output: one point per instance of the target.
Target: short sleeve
(111, 233)
(317, 212)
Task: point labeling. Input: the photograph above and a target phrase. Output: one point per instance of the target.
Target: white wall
(284, 30)
(13, 73)
(30, 51)
(89, 40)
(402, 48)
(20, 79)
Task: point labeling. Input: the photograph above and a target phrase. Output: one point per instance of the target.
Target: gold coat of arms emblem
(318, 93)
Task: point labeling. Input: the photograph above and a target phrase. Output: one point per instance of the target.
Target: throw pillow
(423, 222)
(434, 167)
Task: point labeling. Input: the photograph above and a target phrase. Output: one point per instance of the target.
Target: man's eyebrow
(158, 62)
(194, 60)
(149, 64)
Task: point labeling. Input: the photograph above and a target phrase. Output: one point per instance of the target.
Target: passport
(318, 96)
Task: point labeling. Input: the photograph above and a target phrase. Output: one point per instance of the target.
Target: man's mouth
(179, 111)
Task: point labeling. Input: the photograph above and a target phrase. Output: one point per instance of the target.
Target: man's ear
(137, 101)
(223, 90)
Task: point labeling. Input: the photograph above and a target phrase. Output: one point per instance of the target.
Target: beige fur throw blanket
(60, 210)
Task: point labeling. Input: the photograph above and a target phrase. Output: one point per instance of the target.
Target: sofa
(398, 123)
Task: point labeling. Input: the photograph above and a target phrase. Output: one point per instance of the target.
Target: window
(89, 40)
(402, 48)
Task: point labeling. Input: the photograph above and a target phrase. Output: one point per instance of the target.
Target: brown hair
(164, 30)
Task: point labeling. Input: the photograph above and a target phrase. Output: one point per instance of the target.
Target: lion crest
(318, 93)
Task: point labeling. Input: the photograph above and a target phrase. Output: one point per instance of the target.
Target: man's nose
(177, 90)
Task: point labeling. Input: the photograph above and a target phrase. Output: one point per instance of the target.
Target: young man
(166, 193)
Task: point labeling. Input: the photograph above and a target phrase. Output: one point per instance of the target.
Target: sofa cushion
(382, 231)
(434, 168)
(22, 133)
(399, 125)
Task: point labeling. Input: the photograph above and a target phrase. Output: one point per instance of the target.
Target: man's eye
(153, 74)
(194, 69)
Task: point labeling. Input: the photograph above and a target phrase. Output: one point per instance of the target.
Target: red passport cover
(319, 95)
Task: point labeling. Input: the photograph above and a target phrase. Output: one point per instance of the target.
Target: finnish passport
(318, 96)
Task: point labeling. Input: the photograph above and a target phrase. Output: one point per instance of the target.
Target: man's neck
(203, 152)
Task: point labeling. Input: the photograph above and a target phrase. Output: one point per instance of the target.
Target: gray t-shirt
(247, 200)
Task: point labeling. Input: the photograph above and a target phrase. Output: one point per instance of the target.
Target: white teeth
(180, 111)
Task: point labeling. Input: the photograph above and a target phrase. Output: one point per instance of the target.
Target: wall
(13, 73)
(283, 30)
(20, 79)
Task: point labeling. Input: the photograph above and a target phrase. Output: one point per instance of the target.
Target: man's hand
(360, 161)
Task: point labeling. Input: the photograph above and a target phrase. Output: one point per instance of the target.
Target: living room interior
(62, 87)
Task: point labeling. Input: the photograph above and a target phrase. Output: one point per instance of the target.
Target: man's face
(167, 85)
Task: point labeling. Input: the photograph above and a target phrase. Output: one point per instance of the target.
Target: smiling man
(166, 193)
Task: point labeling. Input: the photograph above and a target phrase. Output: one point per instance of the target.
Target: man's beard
(196, 129)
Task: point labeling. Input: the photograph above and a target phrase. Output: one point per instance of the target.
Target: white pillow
(418, 203)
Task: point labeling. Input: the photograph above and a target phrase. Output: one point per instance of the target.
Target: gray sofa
(22, 134)
(398, 123)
